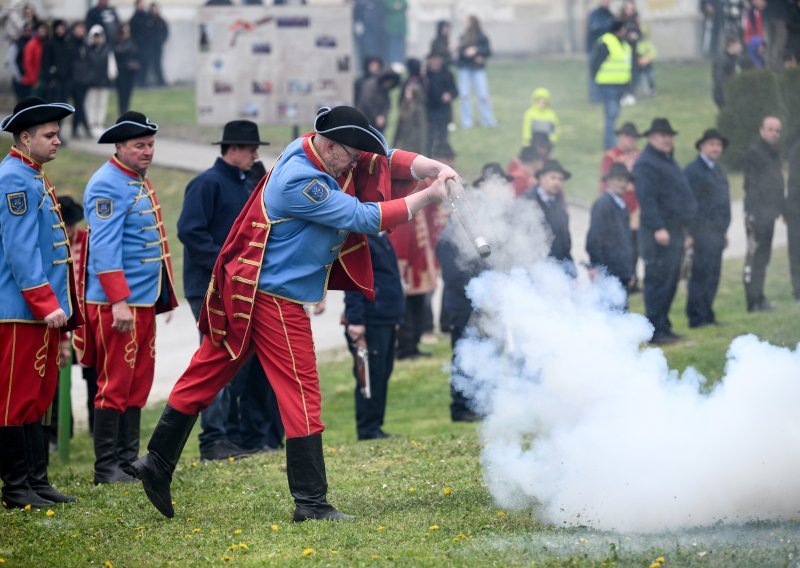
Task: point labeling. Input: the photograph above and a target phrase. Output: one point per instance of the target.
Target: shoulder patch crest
(104, 208)
(316, 191)
(17, 202)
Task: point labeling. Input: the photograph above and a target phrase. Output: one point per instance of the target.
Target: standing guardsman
(37, 291)
(128, 280)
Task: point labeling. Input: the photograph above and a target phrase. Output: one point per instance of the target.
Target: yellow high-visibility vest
(616, 69)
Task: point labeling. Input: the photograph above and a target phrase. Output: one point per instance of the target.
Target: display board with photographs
(273, 64)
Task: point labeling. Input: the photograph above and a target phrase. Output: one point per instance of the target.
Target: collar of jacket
(663, 155)
(231, 171)
(774, 150)
(124, 169)
(25, 158)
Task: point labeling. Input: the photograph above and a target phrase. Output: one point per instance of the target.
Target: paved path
(177, 340)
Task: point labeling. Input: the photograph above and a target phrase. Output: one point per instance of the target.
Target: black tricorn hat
(349, 126)
(130, 125)
(553, 166)
(618, 171)
(71, 210)
(628, 129)
(711, 134)
(492, 169)
(32, 111)
(242, 133)
(660, 126)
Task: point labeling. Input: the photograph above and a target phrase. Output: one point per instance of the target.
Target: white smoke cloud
(584, 427)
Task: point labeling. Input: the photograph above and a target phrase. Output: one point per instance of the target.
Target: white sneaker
(628, 100)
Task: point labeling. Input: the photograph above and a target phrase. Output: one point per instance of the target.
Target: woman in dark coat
(128, 66)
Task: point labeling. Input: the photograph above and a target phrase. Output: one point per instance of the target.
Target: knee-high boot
(305, 468)
(128, 438)
(36, 450)
(106, 461)
(163, 452)
(16, 492)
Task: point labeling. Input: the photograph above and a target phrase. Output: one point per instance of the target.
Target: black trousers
(759, 250)
(413, 324)
(460, 403)
(370, 412)
(662, 270)
(704, 278)
(438, 142)
(793, 234)
(79, 101)
(125, 83)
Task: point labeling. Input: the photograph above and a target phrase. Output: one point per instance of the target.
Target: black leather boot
(106, 461)
(305, 468)
(128, 438)
(163, 452)
(16, 492)
(36, 448)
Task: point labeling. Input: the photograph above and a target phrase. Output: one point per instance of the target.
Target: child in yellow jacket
(540, 117)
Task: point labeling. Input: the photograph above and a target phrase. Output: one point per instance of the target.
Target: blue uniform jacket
(712, 193)
(211, 204)
(665, 198)
(126, 248)
(609, 241)
(34, 257)
(390, 302)
(310, 218)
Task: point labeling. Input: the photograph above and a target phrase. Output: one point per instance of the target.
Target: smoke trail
(584, 427)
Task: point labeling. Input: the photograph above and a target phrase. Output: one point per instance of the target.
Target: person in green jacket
(540, 117)
(395, 25)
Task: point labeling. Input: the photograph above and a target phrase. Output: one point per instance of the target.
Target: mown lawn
(419, 496)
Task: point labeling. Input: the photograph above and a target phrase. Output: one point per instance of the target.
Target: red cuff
(400, 164)
(114, 285)
(393, 213)
(42, 301)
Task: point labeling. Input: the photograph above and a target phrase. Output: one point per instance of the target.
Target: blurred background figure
(598, 23)
(441, 91)
(396, 27)
(412, 122)
(81, 78)
(102, 71)
(540, 117)
(473, 52)
(128, 66)
(440, 44)
(57, 61)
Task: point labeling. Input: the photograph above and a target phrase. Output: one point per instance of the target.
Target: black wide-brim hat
(130, 125)
(711, 134)
(552, 166)
(660, 126)
(628, 129)
(241, 133)
(492, 169)
(71, 210)
(32, 111)
(618, 171)
(349, 126)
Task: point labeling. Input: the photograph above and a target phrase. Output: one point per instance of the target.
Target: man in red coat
(301, 232)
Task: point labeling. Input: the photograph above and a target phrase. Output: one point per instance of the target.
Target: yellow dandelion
(225, 558)
(237, 531)
(108, 564)
(375, 557)
(187, 535)
(275, 528)
(27, 507)
(233, 547)
(91, 549)
(332, 450)
(501, 514)
(194, 464)
(195, 530)
(140, 527)
(583, 539)
(655, 565)
(460, 537)
(243, 545)
(50, 512)
(334, 552)
(433, 528)
(661, 559)
(2, 560)
(231, 459)
(414, 443)
(381, 528)
(174, 502)
(447, 491)
(308, 551)
(412, 489)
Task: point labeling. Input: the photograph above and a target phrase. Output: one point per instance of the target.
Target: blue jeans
(611, 95)
(396, 49)
(467, 80)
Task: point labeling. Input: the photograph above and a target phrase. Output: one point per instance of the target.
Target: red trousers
(281, 338)
(29, 371)
(125, 361)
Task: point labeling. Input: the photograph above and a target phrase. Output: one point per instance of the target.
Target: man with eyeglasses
(302, 232)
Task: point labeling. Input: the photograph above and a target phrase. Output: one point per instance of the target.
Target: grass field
(419, 497)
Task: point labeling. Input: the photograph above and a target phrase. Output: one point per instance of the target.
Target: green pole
(64, 411)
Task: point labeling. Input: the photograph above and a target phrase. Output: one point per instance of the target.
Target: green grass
(396, 487)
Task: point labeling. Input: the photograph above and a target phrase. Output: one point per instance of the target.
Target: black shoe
(378, 435)
(163, 452)
(762, 305)
(223, 450)
(106, 460)
(665, 338)
(465, 416)
(305, 469)
(16, 493)
(36, 451)
(128, 438)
